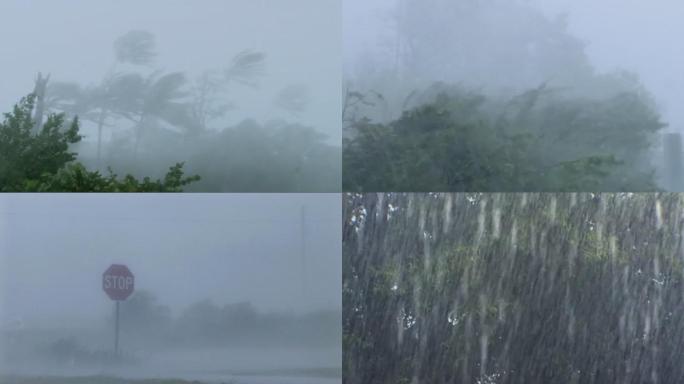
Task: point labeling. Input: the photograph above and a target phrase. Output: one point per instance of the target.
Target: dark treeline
(513, 288)
(493, 96)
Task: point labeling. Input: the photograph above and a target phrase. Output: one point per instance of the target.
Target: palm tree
(245, 69)
(107, 100)
(158, 97)
(135, 47)
(92, 103)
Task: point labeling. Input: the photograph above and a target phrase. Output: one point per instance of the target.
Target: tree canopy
(492, 96)
(43, 161)
(540, 140)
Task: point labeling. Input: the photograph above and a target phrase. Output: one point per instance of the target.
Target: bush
(536, 141)
(40, 160)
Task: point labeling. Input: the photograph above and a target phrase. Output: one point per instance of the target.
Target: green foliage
(25, 155)
(537, 141)
(443, 288)
(403, 134)
(76, 178)
(43, 161)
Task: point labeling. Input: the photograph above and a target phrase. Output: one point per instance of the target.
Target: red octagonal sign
(118, 282)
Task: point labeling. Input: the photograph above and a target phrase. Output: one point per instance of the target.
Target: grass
(87, 380)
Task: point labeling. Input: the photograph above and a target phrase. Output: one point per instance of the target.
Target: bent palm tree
(157, 97)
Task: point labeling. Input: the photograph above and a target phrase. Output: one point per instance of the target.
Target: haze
(278, 254)
(72, 41)
(569, 70)
(630, 35)
(245, 93)
(634, 35)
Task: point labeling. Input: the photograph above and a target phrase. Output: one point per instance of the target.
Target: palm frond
(246, 67)
(135, 47)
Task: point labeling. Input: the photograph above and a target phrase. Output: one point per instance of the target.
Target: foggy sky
(364, 23)
(639, 36)
(183, 248)
(72, 40)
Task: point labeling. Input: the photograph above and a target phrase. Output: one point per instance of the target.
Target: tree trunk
(39, 93)
(138, 136)
(100, 124)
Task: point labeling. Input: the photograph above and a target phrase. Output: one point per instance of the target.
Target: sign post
(116, 331)
(118, 283)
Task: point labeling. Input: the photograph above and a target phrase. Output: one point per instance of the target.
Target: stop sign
(118, 282)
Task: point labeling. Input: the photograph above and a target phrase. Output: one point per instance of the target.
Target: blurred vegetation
(148, 327)
(36, 159)
(446, 104)
(537, 141)
(513, 288)
(247, 157)
(146, 118)
(238, 324)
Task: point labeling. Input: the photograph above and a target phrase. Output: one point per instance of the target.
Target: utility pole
(674, 172)
(303, 250)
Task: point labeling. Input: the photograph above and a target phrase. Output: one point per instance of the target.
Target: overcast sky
(72, 40)
(182, 247)
(636, 35)
(641, 36)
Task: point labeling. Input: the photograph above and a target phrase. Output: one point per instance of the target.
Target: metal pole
(673, 162)
(116, 331)
(303, 228)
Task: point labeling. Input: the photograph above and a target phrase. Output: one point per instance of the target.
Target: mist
(244, 93)
(227, 287)
(636, 38)
(399, 55)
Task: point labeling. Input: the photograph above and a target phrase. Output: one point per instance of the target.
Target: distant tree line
(146, 322)
(513, 288)
(147, 326)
